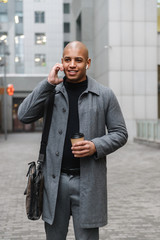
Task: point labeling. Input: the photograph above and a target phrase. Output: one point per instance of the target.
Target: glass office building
(31, 41)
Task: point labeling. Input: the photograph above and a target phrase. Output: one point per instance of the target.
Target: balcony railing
(148, 130)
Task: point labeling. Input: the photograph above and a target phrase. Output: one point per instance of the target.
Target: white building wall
(124, 47)
(53, 27)
(133, 58)
(100, 41)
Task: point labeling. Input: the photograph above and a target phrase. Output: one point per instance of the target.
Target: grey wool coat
(98, 109)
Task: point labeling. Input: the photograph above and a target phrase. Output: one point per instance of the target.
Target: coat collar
(92, 87)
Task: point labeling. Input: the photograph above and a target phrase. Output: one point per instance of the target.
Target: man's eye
(67, 60)
(79, 60)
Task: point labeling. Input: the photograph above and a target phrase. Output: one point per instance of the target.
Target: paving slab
(133, 191)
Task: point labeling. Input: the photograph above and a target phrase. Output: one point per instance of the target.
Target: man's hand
(83, 149)
(53, 75)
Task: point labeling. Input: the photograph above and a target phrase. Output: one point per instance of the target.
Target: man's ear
(88, 63)
(62, 60)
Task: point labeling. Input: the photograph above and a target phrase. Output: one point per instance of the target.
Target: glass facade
(3, 44)
(19, 53)
(158, 15)
(3, 12)
(19, 5)
(19, 37)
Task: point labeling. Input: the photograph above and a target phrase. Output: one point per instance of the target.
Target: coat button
(57, 153)
(63, 109)
(53, 176)
(60, 132)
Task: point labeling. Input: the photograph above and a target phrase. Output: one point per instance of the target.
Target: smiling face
(75, 60)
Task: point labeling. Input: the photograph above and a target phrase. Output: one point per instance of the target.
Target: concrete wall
(133, 58)
(101, 41)
(85, 8)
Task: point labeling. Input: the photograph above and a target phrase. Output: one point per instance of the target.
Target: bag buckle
(31, 165)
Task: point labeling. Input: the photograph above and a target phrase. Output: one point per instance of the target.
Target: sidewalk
(133, 189)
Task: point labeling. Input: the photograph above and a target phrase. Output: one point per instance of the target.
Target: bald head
(75, 61)
(77, 45)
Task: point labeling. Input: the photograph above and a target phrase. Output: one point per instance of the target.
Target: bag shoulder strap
(46, 128)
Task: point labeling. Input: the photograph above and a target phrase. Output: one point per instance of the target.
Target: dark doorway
(20, 127)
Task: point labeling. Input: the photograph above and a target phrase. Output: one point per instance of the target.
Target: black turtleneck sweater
(74, 90)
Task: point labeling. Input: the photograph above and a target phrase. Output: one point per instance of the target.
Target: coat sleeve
(117, 134)
(33, 106)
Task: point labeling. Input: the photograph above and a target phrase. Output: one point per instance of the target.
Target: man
(75, 176)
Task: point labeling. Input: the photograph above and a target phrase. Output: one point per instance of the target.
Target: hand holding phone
(53, 75)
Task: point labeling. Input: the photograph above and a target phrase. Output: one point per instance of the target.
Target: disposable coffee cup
(77, 137)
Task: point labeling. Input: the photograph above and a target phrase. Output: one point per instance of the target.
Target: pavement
(133, 191)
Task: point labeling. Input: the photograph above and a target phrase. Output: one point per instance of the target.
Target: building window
(18, 18)
(40, 60)
(39, 17)
(1, 60)
(3, 12)
(66, 8)
(19, 6)
(3, 17)
(66, 27)
(3, 37)
(3, 7)
(40, 38)
(65, 43)
(3, 42)
(79, 28)
(19, 64)
(18, 59)
(19, 45)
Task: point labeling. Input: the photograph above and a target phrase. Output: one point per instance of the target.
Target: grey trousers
(67, 205)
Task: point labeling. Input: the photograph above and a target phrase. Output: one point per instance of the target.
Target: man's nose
(72, 63)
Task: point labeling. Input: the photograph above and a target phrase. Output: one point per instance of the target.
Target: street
(133, 191)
